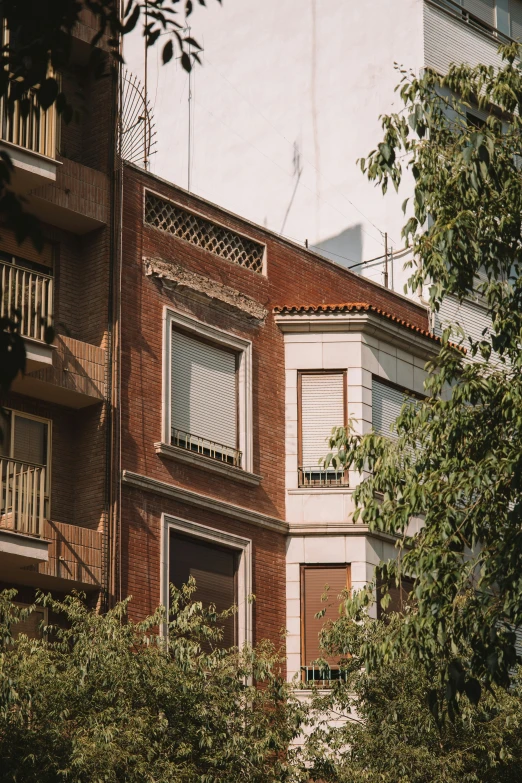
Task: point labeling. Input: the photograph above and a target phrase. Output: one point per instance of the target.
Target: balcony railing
(455, 8)
(319, 477)
(207, 448)
(29, 293)
(34, 130)
(323, 676)
(22, 496)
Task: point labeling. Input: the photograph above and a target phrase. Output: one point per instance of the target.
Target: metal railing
(35, 131)
(457, 10)
(319, 477)
(207, 448)
(22, 496)
(28, 293)
(323, 676)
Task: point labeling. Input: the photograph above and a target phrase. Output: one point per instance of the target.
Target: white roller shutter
(203, 390)
(515, 19)
(386, 406)
(484, 9)
(471, 317)
(322, 409)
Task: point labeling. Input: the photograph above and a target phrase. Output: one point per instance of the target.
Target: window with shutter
(204, 398)
(321, 408)
(398, 597)
(482, 9)
(386, 406)
(314, 580)
(215, 570)
(515, 19)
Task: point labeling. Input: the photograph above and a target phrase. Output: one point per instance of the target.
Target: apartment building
(55, 453)
(239, 352)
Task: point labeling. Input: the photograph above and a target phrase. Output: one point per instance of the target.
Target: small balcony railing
(23, 496)
(322, 676)
(319, 477)
(207, 448)
(34, 130)
(28, 293)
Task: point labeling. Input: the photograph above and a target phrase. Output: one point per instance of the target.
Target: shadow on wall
(344, 248)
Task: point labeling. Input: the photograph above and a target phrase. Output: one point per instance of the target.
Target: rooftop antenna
(189, 150)
(138, 130)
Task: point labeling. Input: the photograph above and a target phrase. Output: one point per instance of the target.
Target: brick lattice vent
(192, 228)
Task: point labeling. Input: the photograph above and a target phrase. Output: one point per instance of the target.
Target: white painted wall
(310, 73)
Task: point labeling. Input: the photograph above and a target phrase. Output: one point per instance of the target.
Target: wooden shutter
(515, 19)
(30, 440)
(386, 406)
(483, 9)
(204, 390)
(322, 409)
(214, 569)
(313, 581)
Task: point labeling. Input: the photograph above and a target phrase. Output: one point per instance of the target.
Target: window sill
(206, 463)
(320, 490)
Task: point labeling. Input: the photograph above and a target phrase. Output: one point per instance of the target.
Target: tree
(384, 731)
(103, 698)
(456, 462)
(34, 51)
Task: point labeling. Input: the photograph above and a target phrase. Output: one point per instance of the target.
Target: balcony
(30, 294)
(30, 141)
(453, 34)
(24, 504)
(319, 477)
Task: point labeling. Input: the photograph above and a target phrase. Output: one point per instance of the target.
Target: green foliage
(106, 699)
(377, 727)
(456, 461)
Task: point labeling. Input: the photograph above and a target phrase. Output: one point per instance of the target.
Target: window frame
(227, 342)
(43, 420)
(241, 546)
(308, 567)
(343, 483)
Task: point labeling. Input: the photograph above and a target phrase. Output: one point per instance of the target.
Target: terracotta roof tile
(350, 307)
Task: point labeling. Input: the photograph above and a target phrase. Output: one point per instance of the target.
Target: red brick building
(55, 457)
(204, 437)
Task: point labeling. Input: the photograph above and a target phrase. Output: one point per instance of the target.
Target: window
(515, 19)
(398, 597)
(204, 398)
(482, 9)
(321, 407)
(314, 580)
(208, 395)
(387, 402)
(215, 570)
(24, 473)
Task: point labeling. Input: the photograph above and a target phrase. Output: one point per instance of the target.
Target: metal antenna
(138, 130)
(189, 150)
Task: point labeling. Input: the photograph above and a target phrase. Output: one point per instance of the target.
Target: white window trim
(227, 340)
(243, 546)
(49, 422)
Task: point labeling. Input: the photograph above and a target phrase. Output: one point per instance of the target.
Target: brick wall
(294, 276)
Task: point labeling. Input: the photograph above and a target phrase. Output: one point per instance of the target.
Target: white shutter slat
(470, 316)
(483, 9)
(203, 390)
(386, 406)
(322, 409)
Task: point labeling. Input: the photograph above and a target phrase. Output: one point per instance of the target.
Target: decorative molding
(337, 529)
(174, 277)
(244, 573)
(207, 463)
(222, 507)
(364, 323)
